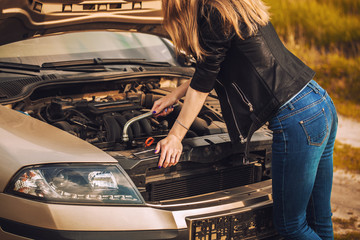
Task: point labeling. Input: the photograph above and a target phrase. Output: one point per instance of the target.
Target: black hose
(65, 126)
(113, 130)
(145, 124)
(122, 121)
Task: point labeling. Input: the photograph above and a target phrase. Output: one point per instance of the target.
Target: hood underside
(23, 19)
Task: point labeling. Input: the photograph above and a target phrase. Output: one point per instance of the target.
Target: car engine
(99, 111)
(99, 118)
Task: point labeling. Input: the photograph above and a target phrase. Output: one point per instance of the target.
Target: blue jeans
(304, 133)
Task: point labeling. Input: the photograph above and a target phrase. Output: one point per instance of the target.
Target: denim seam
(295, 100)
(283, 178)
(302, 109)
(332, 113)
(307, 134)
(314, 116)
(314, 211)
(330, 108)
(313, 86)
(300, 97)
(283, 134)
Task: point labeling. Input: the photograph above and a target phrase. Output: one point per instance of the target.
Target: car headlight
(75, 184)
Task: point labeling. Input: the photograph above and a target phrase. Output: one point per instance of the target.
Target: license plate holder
(249, 224)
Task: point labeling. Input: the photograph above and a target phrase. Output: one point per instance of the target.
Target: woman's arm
(170, 147)
(180, 91)
(216, 42)
(169, 100)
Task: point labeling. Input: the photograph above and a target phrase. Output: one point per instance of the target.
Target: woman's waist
(311, 94)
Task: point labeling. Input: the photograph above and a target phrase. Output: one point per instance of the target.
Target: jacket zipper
(243, 97)
(242, 139)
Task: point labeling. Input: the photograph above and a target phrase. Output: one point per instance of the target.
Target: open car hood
(23, 19)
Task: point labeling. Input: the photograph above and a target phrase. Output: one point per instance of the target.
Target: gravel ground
(345, 201)
(348, 132)
(345, 198)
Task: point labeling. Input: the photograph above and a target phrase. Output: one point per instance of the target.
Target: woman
(257, 80)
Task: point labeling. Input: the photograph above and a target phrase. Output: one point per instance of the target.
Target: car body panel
(29, 136)
(164, 215)
(30, 141)
(22, 19)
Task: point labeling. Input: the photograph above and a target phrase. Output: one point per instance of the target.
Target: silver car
(77, 161)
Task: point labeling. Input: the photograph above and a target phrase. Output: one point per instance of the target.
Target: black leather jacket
(253, 77)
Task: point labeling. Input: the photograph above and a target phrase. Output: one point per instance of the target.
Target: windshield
(85, 45)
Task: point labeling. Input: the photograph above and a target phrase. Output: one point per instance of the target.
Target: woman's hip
(309, 117)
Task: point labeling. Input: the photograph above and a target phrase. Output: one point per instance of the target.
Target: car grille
(200, 184)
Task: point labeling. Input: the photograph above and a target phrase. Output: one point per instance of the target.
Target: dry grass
(338, 74)
(346, 224)
(346, 157)
(322, 33)
(347, 6)
(347, 108)
(325, 34)
(347, 236)
(324, 23)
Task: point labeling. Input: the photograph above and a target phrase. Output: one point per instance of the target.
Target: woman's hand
(163, 106)
(171, 149)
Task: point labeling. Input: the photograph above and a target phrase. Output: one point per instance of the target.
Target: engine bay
(99, 116)
(102, 113)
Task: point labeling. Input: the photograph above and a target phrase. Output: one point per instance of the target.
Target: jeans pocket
(316, 128)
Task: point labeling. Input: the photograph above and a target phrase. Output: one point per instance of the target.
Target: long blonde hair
(180, 20)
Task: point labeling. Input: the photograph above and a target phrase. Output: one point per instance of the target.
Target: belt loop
(312, 85)
(291, 106)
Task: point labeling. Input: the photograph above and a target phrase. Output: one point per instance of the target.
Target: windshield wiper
(20, 66)
(85, 65)
(18, 73)
(78, 68)
(101, 61)
(23, 69)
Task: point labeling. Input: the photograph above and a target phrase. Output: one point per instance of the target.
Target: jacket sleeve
(216, 43)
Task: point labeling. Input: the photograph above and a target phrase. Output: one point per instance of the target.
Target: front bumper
(241, 210)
